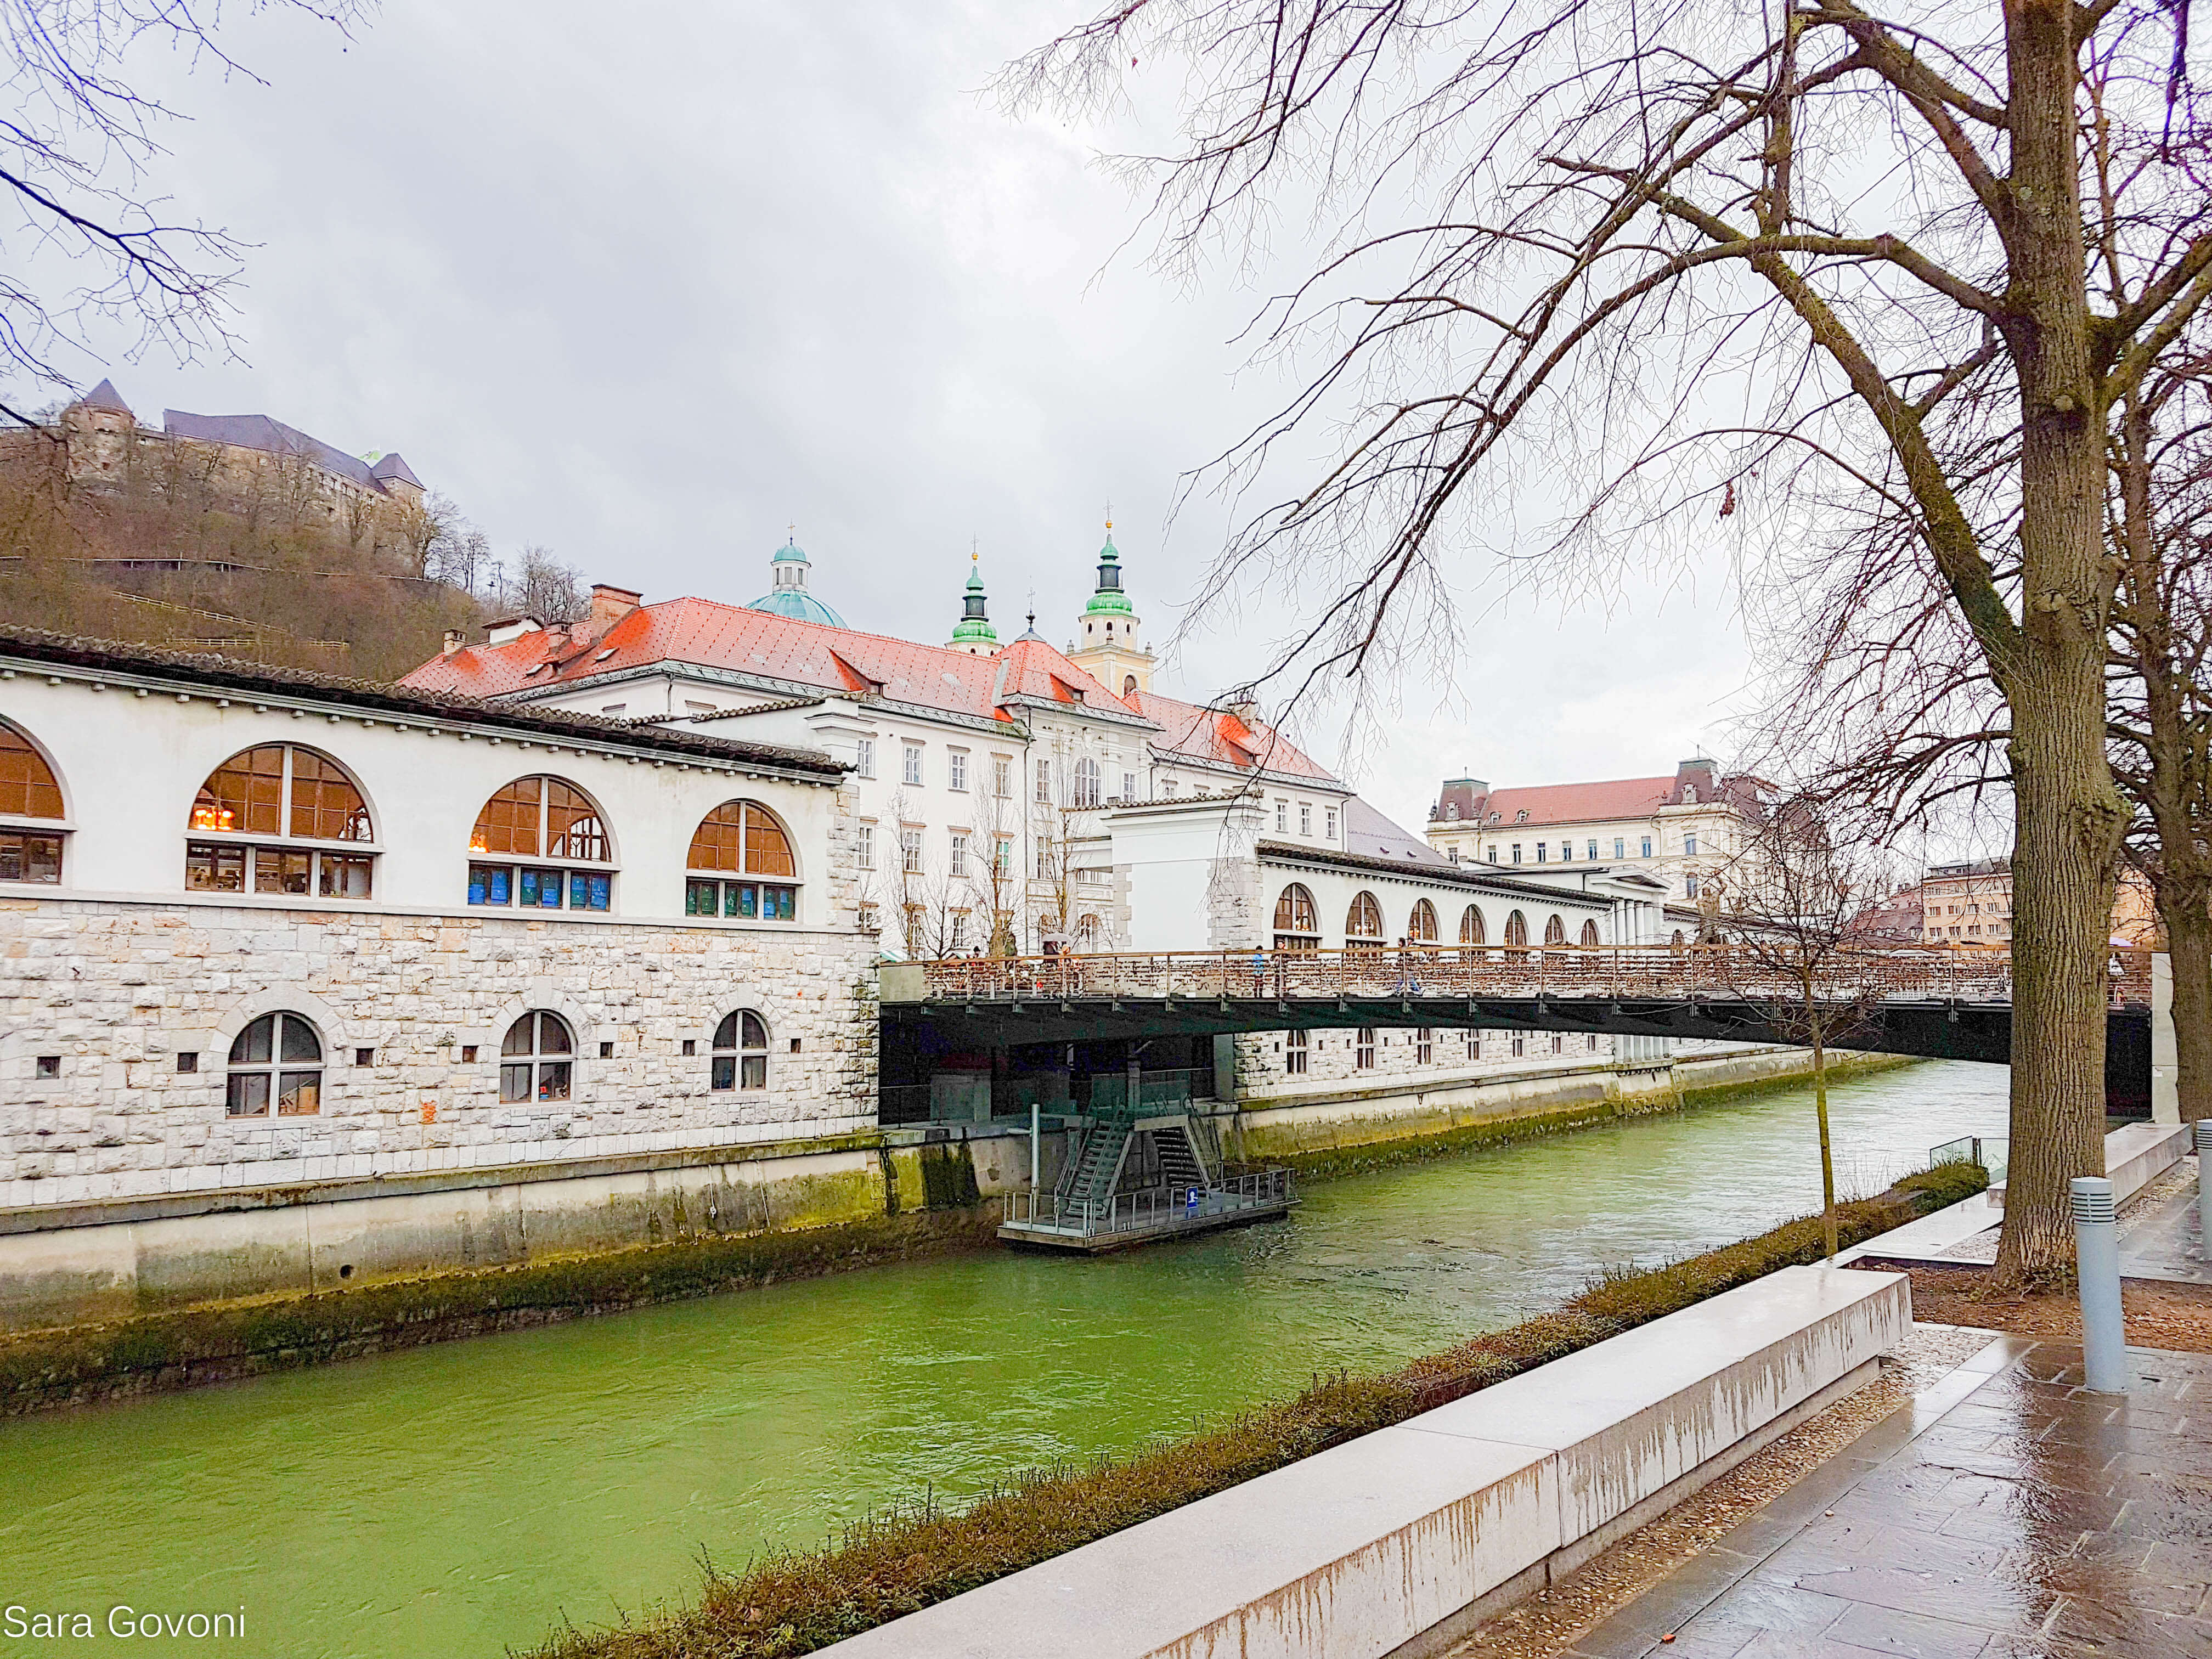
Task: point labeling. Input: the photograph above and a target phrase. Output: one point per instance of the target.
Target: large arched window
(537, 1059)
(1516, 930)
(27, 790)
(1471, 930)
(276, 1058)
(1086, 782)
(1363, 923)
(1298, 923)
(257, 821)
(1421, 925)
(741, 1052)
(1555, 930)
(541, 817)
(744, 839)
(1589, 931)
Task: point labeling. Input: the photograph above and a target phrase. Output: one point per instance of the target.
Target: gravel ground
(2177, 1317)
(1550, 1620)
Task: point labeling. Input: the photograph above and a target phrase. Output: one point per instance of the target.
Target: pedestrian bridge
(1905, 1000)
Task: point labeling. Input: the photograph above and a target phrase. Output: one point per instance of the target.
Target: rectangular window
(956, 775)
(864, 763)
(1330, 834)
(1647, 846)
(910, 850)
(1002, 776)
(1689, 886)
(1540, 852)
(1362, 1054)
(1423, 1047)
(702, 898)
(1129, 785)
(865, 846)
(958, 865)
(279, 871)
(959, 930)
(1452, 853)
(1475, 1045)
(1593, 851)
(1305, 817)
(1170, 786)
(1516, 852)
(1519, 1046)
(1619, 846)
(910, 767)
(1294, 1054)
(871, 920)
(540, 889)
(590, 891)
(1559, 1043)
(340, 875)
(1593, 1042)
(1002, 857)
(1493, 852)
(1690, 846)
(26, 857)
(211, 869)
(490, 883)
(1282, 817)
(1044, 781)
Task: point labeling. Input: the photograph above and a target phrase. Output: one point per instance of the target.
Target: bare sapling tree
(1795, 900)
(98, 259)
(2161, 706)
(1676, 257)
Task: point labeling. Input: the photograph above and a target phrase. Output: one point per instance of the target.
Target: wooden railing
(1642, 972)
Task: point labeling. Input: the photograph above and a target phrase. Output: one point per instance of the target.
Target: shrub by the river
(906, 1558)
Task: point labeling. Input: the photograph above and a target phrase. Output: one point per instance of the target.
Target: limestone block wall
(102, 1001)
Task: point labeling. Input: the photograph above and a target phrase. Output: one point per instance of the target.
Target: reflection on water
(451, 1501)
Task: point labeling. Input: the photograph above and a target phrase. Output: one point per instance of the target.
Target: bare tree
(77, 145)
(1795, 900)
(547, 589)
(1682, 258)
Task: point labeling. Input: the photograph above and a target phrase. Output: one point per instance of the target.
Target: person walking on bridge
(1258, 972)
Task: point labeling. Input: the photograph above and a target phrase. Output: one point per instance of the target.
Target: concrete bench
(1396, 1542)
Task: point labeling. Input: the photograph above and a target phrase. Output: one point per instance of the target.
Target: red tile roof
(734, 637)
(1576, 803)
(1217, 735)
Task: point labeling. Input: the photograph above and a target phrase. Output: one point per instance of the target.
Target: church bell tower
(1107, 644)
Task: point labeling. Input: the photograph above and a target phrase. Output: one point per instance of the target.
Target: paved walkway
(2007, 1513)
(2159, 1236)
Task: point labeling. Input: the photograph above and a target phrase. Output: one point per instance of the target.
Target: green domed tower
(975, 634)
(1107, 641)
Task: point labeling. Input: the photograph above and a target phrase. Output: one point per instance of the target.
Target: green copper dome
(789, 597)
(1110, 600)
(975, 625)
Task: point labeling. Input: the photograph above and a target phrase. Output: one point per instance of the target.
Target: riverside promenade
(2008, 1511)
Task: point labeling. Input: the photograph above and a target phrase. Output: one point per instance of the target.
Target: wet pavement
(2160, 1237)
(2007, 1513)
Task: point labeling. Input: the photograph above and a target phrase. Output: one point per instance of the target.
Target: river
(453, 1500)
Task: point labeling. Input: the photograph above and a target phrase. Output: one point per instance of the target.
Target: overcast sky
(648, 283)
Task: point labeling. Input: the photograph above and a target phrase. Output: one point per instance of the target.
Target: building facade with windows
(260, 927)
(1682, 831)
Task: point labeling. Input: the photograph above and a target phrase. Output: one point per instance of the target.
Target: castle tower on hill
(975, 634)
(1107, 642)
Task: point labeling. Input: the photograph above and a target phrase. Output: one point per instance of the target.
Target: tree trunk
(2182, 912)
(2067, 815)
(1827, 1149)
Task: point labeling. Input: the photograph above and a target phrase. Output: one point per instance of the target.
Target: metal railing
(1150, 1209)
(1649, 972)
(1992, 1152)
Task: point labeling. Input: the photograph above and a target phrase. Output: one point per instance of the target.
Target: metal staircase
(1180, 1164)
(1090, 1176)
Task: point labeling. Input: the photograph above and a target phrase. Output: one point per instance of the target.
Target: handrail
(1645, 972)
(1147, 1207)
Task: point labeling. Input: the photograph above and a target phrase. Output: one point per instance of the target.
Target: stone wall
(112, 996)
(1333, 1059)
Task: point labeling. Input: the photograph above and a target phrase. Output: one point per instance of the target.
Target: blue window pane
(489, 883)
(730, 899)
(701, 898)
(778, 902)
(530, 887)
(579, 891)
(541, 889)
(592, 892)
(748, 899)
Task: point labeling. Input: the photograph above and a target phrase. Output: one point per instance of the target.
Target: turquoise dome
(789, 597)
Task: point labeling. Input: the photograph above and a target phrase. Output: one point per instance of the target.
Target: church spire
(975, 634)
(1106, 642)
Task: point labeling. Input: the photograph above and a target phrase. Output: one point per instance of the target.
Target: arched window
(746, 839)
(278, 792)
(1363, 924)
(1086, 779)
(1589, 931)
(1298, 923)
(27, 790)
(277, 1058)
(1471, 930)
(1677, 940)
(1421, 925)
(537, 1061)
(541, 817)
(1555, 931)
(1516, 930)
(741, 1051)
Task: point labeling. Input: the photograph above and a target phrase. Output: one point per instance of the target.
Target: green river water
(454, 1500)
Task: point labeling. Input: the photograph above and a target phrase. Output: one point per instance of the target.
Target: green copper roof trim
(1110, 600)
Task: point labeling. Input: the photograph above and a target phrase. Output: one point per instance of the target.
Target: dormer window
(1521, 817)
(1689, 794)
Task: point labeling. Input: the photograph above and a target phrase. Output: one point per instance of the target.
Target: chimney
(453, 642)
(609, 606)
(1245, 703)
